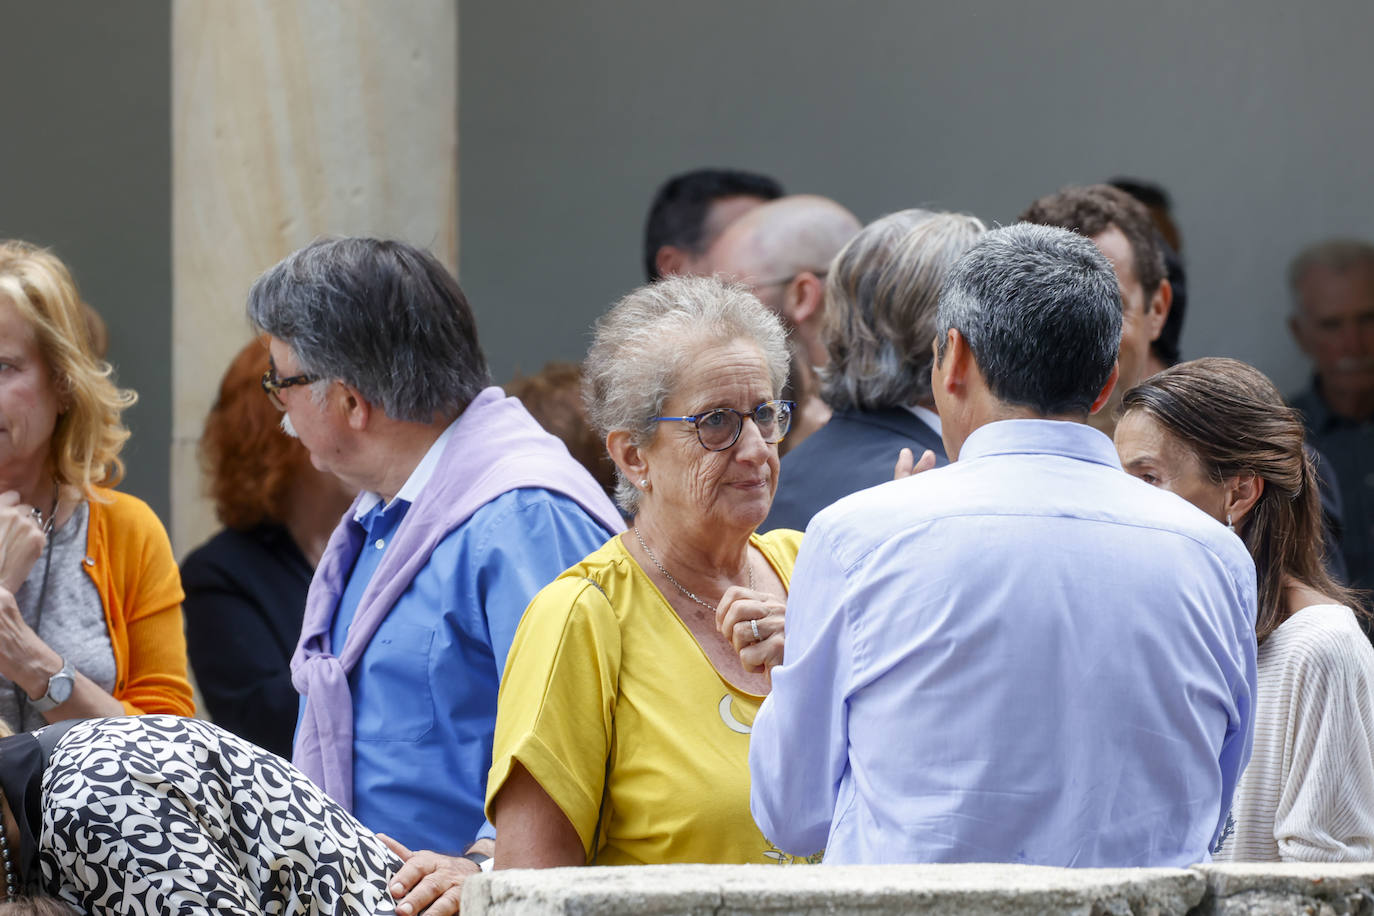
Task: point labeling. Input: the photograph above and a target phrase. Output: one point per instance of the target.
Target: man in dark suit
(880, 299)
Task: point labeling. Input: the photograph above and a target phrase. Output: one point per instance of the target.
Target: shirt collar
(928, 417)
(1040, 437)
(414, 483)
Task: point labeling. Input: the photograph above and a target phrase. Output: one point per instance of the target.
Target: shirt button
(380, 544)
(90, 561)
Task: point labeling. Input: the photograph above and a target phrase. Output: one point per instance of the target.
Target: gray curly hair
(642, 344)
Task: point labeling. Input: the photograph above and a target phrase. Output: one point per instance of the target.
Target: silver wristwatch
(59, 688)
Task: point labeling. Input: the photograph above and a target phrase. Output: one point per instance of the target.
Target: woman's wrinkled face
(29, 402)
(730, 490)
(1153, 454)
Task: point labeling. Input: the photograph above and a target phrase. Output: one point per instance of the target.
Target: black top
(23, 758)
(854, 451)
(245, 599)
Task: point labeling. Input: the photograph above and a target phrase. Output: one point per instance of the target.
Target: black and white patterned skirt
(165, 815)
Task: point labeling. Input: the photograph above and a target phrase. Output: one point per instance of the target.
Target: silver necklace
(46, 524)
(678, 585)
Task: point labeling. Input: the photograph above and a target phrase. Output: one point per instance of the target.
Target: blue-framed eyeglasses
(719, 429)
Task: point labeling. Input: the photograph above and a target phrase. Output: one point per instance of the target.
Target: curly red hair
(249, 463)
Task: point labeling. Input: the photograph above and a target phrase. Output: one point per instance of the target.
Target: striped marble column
(293, 119)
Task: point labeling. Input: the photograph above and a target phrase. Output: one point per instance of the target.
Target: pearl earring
(644, 484)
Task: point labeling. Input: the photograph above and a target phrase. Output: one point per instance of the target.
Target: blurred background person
(246, 586)
(803, 388)
(880, 299)
(689, 211)
(1217, 433)
(1167, 348)
(782, 252)
(553, 396)
(1121, 228)
(90, 600)
(1333, 322)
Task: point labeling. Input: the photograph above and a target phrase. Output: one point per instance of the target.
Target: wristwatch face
(60, 686)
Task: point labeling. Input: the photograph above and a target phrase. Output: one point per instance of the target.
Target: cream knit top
(1308, 792)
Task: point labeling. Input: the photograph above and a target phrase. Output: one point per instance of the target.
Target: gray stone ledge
(736, 890)
(978, 890)
(1289, 887)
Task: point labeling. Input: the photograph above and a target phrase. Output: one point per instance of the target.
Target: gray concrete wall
(956, 890)
(85, 168)
(1258, 116)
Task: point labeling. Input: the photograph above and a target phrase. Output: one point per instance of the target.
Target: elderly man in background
(1025, 656)
(1333, 323)
(1121, 227)
(880, 301)
(467, 508)
(782, 252)
(691, 210)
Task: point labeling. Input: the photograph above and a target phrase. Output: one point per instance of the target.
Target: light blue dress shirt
(1027, 656)
(424, 691)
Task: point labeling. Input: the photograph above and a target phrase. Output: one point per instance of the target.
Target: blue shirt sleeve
(527, 538)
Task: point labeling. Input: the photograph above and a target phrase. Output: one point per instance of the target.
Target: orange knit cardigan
(129, 558)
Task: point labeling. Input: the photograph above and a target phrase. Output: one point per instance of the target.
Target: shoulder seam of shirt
(926, 521)
(512, 502)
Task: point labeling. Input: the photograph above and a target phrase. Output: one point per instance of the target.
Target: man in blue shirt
(1026, 656)
(466, 509)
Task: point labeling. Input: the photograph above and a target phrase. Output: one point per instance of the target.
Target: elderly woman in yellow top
(90, 600)
(622, 732)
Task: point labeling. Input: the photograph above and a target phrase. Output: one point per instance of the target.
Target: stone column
(293, 119)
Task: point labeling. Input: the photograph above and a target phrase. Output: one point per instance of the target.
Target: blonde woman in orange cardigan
(90, 599)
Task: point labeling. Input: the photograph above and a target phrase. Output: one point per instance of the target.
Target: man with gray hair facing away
(879, 320)
(1025, 656)
(466, 509)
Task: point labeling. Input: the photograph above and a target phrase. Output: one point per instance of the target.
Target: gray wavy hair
(880, 300)
(642, 344)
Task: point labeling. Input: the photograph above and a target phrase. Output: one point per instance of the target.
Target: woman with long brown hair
(1216, 432)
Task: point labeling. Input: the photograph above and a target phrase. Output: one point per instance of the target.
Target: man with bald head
(782, 251)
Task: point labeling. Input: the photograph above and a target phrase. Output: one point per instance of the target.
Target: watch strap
(480, 859)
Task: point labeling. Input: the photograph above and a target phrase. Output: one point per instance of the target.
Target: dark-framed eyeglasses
(273, 385)
(719, 429)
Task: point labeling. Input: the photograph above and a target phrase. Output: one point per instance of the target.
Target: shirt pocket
(392, 700)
